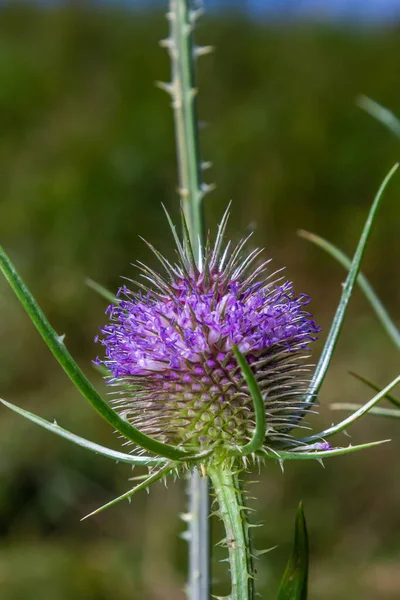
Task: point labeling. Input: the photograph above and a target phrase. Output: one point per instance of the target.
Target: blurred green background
(86, 159)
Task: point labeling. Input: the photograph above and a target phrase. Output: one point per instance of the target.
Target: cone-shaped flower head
(170, 348)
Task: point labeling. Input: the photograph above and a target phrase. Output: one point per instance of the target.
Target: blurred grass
(86, 158)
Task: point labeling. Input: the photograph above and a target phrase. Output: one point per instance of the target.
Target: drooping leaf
(295, 579)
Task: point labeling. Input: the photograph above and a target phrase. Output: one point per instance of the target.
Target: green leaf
(102, 291)
(376, 388)
(295, 579)
(258, 439)
(141, 486)
(380, 113)
(79, 441)
(354, 417)
(300, 454)
(57, 347)
(380, 311)
(378, 412)
(330, 344)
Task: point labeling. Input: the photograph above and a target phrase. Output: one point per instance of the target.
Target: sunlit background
(87, 156)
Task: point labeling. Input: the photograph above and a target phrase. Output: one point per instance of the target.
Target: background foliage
(86, 158)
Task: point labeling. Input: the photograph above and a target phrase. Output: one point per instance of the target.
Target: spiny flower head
(170, 348)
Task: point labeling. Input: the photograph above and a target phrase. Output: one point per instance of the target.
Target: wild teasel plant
(208, 360)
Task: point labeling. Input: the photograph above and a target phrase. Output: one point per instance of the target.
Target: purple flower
(323, 446)
(169, 349)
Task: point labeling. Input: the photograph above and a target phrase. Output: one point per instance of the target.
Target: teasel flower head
(170, 349)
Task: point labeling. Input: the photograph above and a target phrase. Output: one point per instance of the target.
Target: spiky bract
(170, 348)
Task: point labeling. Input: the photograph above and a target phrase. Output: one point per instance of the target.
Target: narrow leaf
(141, 486)
(258, 439)
(327, 352)
(354, 417)
(380, 311)
(376, 388)
(378, 412)
(102, 291)
(295, 579)
(380, 113)
(79, 441)
(57, 347)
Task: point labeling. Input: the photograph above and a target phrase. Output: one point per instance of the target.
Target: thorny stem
(182, 89)
(232, 512)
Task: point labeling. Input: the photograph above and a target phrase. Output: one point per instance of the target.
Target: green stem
(232, 512)
(183, 90)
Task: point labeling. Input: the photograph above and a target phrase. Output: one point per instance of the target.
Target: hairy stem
(232, 509)
(182, 89)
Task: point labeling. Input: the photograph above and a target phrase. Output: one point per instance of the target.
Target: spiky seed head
(169, 348)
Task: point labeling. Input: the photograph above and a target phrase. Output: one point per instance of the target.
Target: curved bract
(131, 459)
(354, 417)
(337, 323)
(257, 441)
(81, 382)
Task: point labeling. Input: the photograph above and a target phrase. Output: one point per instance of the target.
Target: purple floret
(149, 335)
